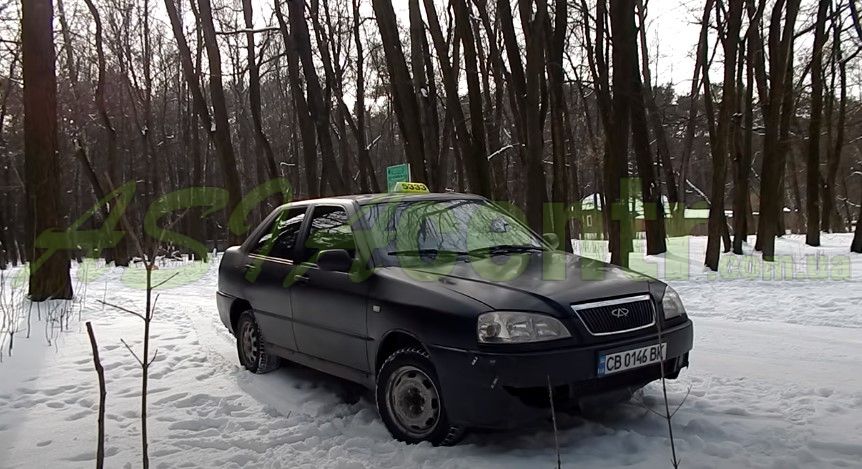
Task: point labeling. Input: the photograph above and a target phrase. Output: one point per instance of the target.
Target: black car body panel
(338, 321)
(575, 280)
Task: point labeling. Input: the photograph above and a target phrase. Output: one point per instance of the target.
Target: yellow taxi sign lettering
(415, 187)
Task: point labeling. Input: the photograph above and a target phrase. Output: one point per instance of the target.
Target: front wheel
(250, 346)
(410, 402)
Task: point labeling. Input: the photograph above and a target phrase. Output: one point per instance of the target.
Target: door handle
(301, 279)
(247, 267)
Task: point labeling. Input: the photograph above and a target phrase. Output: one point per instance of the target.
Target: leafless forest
(540, 103)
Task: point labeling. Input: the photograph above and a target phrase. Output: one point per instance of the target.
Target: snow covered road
(775, 381)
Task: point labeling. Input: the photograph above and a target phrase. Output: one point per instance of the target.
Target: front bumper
(503, 390)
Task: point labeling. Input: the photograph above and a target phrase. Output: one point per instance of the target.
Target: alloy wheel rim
(249, 343)
(414, 401)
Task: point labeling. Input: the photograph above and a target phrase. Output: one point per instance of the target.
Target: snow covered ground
(775, 381)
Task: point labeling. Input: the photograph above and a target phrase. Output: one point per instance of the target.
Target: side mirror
(335, 260)
(552, 239)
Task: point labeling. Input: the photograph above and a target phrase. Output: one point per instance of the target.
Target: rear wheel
(250, 346)
(410, 402)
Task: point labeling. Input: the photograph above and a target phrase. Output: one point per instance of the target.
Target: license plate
(615, 362)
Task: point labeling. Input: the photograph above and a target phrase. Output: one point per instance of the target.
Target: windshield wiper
(427, 252)
(506, 249)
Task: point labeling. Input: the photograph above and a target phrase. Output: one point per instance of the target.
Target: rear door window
(279, 240)
(329, 229)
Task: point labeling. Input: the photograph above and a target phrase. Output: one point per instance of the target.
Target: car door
(329, 308)
(271, 261)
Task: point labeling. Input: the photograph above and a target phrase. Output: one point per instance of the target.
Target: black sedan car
(452, 311)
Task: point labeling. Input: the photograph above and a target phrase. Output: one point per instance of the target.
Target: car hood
(546, 282)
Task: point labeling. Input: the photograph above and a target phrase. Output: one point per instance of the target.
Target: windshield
(404, 231)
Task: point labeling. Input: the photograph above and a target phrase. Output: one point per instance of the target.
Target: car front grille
(616, 316)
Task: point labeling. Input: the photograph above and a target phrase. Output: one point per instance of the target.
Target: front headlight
(672, 304)
(501, 327)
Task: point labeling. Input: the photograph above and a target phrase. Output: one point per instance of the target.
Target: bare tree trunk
(199, 159)
(831, 220)
(527, 84)
(329, 51)
(222, 138)
(854, 16)
(79, 137)
(216, 127)
(318, 108)
(788, 103)
(365, 164)
(780, 42)
(70, 58)
(476, 162)
(120, 253)
(307, 130)
(518, 82)
(654, 221)
(425, 91)
(146, 131)
(264, 148)
(741, 212)
(189, 70)
(7, 90)
(599, 70)
(691, 120)
(470, 141)
(557, 102)
(797, 193)
(491, 63)
(721, 147)
(6, 245)
(49, 275)
(404, 98)
(655, 117)
(856, 245)
(534, 38)
(812, 180)
(575, 195)
(101, 106)
(618, 186)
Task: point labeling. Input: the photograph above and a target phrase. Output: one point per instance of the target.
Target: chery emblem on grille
(620, 313)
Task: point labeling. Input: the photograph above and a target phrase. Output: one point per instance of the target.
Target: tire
(250, 346)
(410, 402)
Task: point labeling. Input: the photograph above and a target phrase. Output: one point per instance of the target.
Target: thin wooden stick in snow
(668, 416)
(554, 421)
(100, 451)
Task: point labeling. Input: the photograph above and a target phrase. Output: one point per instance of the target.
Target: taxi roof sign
(410, 187)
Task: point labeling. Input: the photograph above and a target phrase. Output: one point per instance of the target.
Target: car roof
(369, 199)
